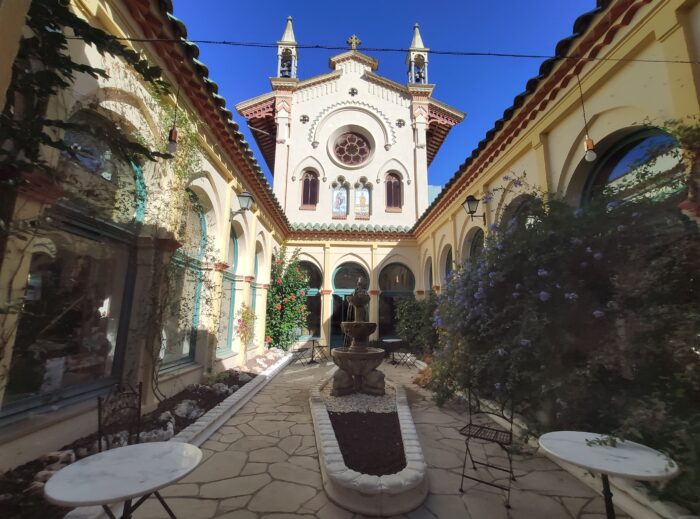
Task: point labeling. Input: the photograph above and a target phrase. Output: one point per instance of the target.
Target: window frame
(312, 178)
(393, 189)
(71, 221)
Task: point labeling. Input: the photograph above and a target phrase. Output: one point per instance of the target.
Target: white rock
(244, 377)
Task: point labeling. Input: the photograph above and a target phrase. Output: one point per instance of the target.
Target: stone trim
(392, 494)
(198, 432)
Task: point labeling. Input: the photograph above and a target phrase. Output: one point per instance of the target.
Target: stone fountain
(357, 364)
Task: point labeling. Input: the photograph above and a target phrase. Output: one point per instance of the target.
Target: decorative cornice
(351, 104)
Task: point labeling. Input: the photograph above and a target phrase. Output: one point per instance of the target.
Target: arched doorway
(313, 300)
(473, 244)
(396, 281)
(345, 280)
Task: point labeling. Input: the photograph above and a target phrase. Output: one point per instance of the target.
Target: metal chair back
(120, 410)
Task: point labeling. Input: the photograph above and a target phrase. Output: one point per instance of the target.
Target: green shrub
(414, 323)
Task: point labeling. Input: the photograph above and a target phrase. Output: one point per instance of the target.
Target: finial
(353, 41)
(288, 36)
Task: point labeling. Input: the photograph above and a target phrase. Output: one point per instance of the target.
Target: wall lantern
(471, 204)
(172, 134)
(245, 200)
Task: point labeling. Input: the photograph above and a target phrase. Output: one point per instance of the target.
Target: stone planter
(392, 494)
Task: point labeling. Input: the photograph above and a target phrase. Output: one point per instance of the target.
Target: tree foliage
(591, 317)
(43, 68)
(286, 299)
(414, 323)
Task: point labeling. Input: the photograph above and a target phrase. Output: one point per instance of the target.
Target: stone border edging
(392, 494)
(198, 432)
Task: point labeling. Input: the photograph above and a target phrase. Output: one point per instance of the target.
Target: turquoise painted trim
(141, 193)
(229, 277)
(182, 260)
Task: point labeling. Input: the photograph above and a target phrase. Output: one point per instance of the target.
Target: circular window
(351, 148)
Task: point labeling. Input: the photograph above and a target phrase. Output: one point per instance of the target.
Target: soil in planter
(371, 443)
(18, 500)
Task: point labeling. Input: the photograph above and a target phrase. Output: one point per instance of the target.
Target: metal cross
(353, 41)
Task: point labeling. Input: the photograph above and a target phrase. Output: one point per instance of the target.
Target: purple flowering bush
(591, 316)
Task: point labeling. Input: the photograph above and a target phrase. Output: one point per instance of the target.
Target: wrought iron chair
(491, 433)
(122, 409)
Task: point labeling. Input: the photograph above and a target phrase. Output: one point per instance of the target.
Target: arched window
(393, 192)
(309, 190)
(477, 244)
(448, 265)
(396, 281)
(647, 163)
(179, 337)
(313, 299)
(340, 202)
(363, 199)
(228, 299)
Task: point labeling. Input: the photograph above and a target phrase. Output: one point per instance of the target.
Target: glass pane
(313, 321)
(347, 275)
(313, 190)
(312, 273)
(448, 265)
(67, 328)
(396, 277)
(178, 333)
(225, 333)
(477, 244)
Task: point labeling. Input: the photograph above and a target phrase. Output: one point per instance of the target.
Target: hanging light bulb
(172, 134)
(589, 146)
(172, 140)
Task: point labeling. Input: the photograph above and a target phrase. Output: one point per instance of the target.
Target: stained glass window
(351, 149)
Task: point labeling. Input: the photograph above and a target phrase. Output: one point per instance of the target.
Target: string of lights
(477, 54)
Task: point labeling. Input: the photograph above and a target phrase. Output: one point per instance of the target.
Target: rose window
(351, 149)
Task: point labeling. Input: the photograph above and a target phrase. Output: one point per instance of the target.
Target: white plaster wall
(329, 106)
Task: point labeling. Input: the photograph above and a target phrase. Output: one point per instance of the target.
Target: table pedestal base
(128, 508)
(607, 496)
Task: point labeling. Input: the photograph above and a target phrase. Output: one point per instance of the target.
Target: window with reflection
(309, 190)
(448, 265)
(396, 281)
(313, 299)
(475, 244)
(393, 192)
(347, 276)
(179, 335)
(69, 329)
(645, 164)
(228, 299)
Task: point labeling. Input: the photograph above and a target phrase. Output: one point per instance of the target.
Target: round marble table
(123, 474)
(626, 459)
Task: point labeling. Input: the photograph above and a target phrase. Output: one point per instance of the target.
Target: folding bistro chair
(318, 350)
(492, 433)
(300, 355)
(119, 410)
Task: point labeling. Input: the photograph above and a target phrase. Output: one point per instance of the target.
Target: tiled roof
(580, 26)
(348, 227)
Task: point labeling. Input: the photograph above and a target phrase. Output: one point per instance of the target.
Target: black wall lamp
(471, 204)
(245, 201)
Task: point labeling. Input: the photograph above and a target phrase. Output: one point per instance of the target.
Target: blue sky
(480, 86)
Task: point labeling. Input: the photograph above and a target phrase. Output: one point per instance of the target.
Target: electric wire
(477, 54)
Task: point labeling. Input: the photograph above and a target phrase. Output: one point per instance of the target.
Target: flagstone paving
(263, 464)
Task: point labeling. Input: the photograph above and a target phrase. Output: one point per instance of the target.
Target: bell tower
(287, 53)
(417, 59)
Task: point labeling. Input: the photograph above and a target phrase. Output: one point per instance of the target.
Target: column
(326, 296)
(374, 292)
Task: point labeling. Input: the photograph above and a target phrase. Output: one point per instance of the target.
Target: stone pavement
(263, 464)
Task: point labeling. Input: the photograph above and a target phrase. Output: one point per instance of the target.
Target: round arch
(473, 243)
(446, 265)
(428, 277)
(396, 282)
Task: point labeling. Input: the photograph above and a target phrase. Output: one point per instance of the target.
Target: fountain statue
(358, 363)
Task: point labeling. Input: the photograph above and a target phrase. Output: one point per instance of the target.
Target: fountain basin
(357, 363)
(359, 331)
(392, 494)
